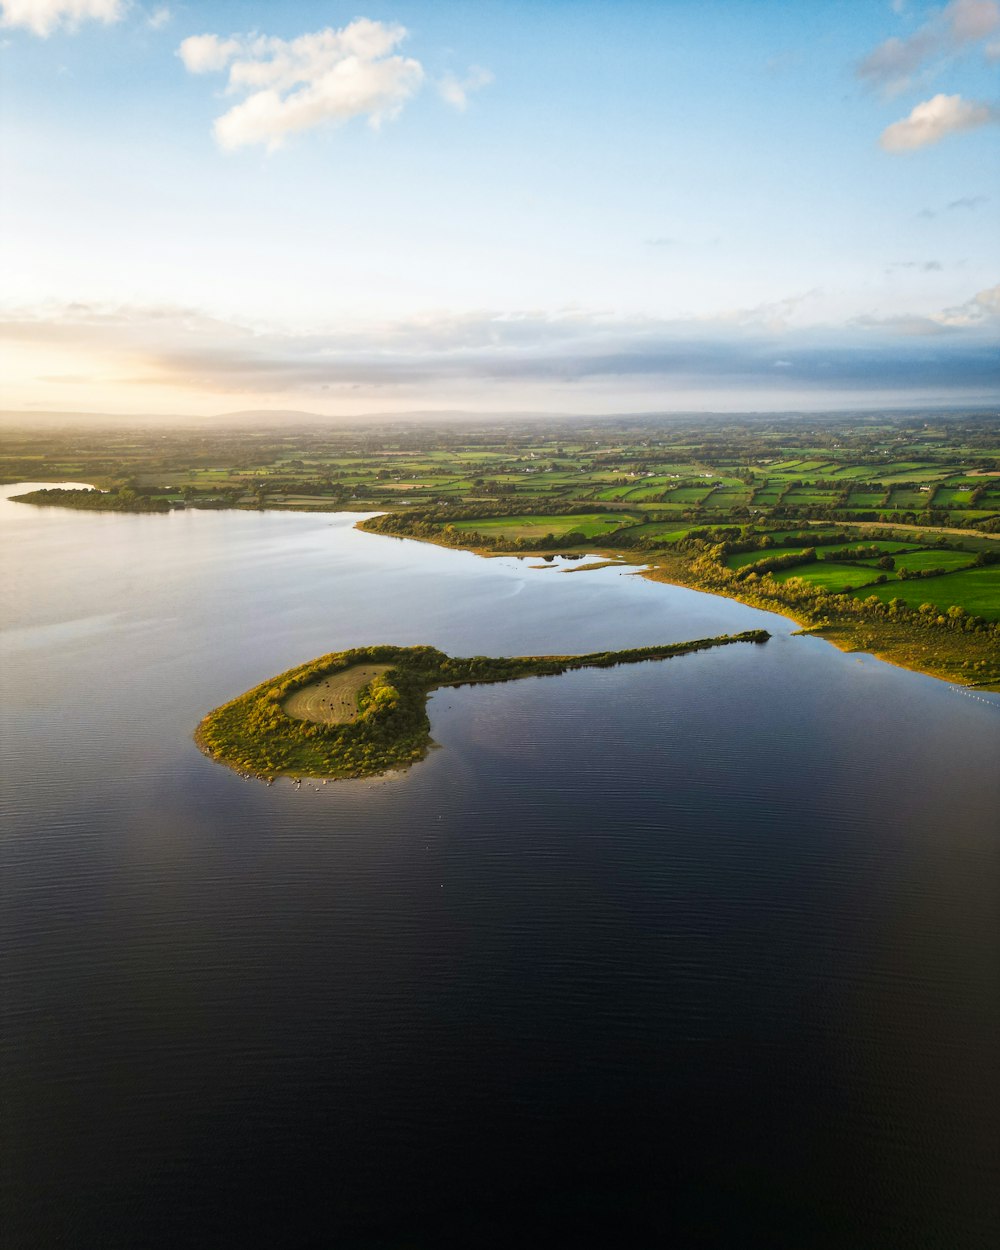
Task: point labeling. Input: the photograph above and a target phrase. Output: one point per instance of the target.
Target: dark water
(692, 953)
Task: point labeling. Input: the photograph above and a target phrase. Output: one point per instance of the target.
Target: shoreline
(849, 636)
(651, 566)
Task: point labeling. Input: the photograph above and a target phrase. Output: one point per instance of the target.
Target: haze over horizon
(596, 208)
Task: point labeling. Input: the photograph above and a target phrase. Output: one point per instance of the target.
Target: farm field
(884, 545)
(590, 525)
(917, 561)
(829, 575)
(975, 590)
(743, 558)
(738, 471)
(333, 700)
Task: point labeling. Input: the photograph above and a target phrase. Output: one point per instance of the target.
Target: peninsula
(362, 712)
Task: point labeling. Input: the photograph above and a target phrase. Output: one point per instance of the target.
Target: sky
(554, 206)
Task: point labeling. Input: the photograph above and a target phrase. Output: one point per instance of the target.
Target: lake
(701, 952)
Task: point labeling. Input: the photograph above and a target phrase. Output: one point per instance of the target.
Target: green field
(537, 526)
(888, 546)
(743, 558)
(976, 590)
(662, 532)
(829, 575)
(917, 561)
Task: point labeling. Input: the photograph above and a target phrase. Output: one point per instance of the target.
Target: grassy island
(362, 712)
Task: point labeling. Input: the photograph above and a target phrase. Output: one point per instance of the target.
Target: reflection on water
(701, 950)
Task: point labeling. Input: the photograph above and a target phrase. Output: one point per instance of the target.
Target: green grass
(590, 525)
(667, 533)
(948, 498)
(917, 561)
(727, 500)
(742, 558)
(887, 545)
(688, 494)
(614, 492)
(976, 590)
(829, 574)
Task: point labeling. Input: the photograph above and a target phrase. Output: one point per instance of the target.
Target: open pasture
(910, 499)
(613, 492)
(917, 561)
(887, 548)
(806, 498)
(688, 494)
(333, 700)
(976, 590)
(659, 530)
(590, 525)
(726, 500)
(742, 558)
(829, 575)
(947, 497)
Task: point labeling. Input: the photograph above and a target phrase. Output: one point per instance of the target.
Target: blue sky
(550, 206)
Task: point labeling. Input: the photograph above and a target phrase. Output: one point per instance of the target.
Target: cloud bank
(291, 85)
(577, 358)
(44, 17)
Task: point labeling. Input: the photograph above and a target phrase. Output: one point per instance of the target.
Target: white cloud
(983, 307)
(204, 54)
(159, 18)
(961, 22)
(327, 76)
(935, 119)
(42, 17)
(456, 91)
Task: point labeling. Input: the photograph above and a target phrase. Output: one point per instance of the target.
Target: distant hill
(272, 418)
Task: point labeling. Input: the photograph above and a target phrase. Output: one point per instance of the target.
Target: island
(363, 712)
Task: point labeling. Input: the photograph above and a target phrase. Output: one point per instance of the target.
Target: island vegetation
(123, 499)
(362, 712)
(878, 532)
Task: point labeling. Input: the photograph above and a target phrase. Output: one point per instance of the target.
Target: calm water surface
(694, 953)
